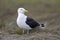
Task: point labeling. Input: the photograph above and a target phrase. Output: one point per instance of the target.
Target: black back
(31, 22)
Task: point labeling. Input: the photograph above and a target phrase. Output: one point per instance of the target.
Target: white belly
(21, 23)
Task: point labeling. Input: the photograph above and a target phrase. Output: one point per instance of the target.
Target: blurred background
(43, 11)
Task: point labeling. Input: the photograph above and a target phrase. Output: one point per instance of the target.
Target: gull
(26, 23)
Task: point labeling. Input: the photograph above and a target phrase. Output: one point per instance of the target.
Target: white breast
(21, 22)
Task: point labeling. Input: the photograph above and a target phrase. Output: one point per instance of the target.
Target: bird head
(22, 10)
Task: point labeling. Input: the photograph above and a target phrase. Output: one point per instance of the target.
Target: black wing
(31, 22)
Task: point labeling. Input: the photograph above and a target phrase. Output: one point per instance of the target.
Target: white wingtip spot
(43, 25)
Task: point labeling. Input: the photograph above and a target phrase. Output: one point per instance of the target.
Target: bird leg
(23, 31)
(27, 31)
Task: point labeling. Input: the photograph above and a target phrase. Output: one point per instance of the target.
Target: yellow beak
(26, 10)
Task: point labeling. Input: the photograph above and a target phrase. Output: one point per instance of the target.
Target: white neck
(21, 12)
(21, 15)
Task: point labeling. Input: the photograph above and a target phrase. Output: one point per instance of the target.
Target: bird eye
(20, 9)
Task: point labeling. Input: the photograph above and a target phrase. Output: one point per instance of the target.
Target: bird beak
(26, 11)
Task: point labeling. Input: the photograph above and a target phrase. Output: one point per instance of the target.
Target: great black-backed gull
(25, 22)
